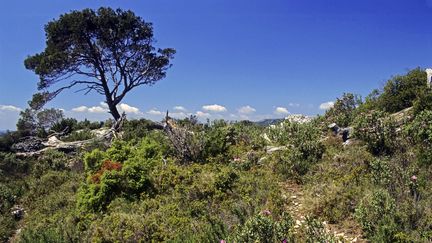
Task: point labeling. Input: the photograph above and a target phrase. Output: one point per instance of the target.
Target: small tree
(107, 51)
(343, 111)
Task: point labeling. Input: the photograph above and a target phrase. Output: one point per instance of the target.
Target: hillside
(359, 173)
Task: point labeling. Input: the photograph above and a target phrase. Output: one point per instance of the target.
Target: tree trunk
(114, 112)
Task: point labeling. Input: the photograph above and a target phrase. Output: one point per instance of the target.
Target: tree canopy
(107, 51)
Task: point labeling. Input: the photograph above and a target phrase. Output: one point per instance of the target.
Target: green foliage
(96, 46)
(263, 228)
(10, 165)
(401, 91)
(135, 130)
(344, 110)
(79, 135)
(303, 147)
(38, 122)
(122, 170)
(377, 130)
(315, 231)
(219, 136)
(423, 101)
(420, 132)
(377, 216)
(51, 160)
(380, 171)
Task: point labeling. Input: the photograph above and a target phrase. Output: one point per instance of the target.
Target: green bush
(344, 110)
(314, 231)
(303, 147)
(377, 130)
(263, 228)
(218, 137)
(420, 132)
(377, 216)
(123, 170)
(401, 91)
(423, 101)
(79, 135)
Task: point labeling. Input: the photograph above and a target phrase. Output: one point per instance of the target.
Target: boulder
(28, 144)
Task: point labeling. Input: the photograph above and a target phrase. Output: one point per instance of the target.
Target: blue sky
(235, 59)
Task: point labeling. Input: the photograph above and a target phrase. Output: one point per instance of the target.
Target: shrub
(423, 101)
(79, 135)
(420, 131)
(400, 92)
(303, 147)
(377, 130)
(380, 170)
(50, 160)
(128, 177)
(262, 228)
(218, 137)
(377, 216)
(314, 231)
(344, 110)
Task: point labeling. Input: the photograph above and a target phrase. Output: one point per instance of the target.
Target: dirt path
(295, 205)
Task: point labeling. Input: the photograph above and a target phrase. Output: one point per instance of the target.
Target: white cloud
(154, 112)
(246, 110)
(82, 108)
(281, 111)
(129, 109)
(97, 109)
(214, 108)
(103, 108)
(294, 104)
(104, 105)
(202, 114)
(10, 108)
(94, 109)
(326, 105)
(179, 108)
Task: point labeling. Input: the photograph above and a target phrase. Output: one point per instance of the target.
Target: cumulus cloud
(93, 109)
(179, 108)
(103, 108)
(202, 114)
(281, 111)
(326, 105)
(10, 108)
(129, 109)
(154, 112)
(214, 108)
(246, 110)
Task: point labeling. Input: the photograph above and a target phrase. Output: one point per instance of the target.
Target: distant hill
(268, 122)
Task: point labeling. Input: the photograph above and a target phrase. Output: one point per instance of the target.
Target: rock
(429, 77)
(344, 133)
(299, 118)
(28, 144)
(52, 141)
(293, 197)
(17, 212)
(271, 149)
(334, 127)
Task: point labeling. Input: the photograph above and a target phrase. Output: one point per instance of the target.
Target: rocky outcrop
(28, 144)
(345, 133)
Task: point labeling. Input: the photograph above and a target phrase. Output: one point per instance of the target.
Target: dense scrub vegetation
(141, 188)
